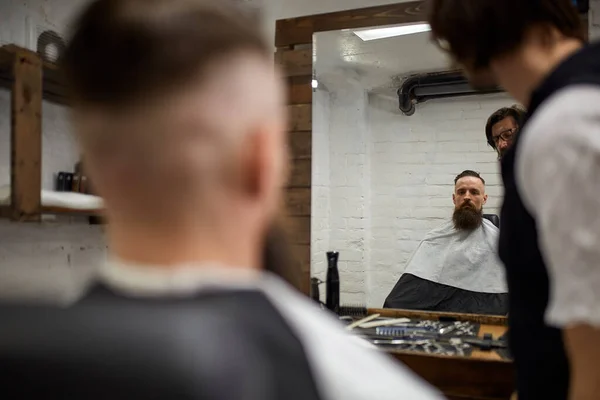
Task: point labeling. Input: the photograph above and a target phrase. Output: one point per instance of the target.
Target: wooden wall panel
(302, 254)
(298, 202)
(299, 230)
(300, 176)
(26, 137)
(300, 117)
(300, 145)
(300, 90)
(295, 62)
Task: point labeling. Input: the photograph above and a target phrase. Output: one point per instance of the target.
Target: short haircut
(124, 50)
(466, 173)
(515, 111)
(477, 31)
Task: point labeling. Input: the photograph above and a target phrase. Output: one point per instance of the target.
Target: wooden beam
(295, 62)
(295, 31)
(300, 145)
(297, 202)
(299, 90)
(298, 229)
(300, 176)
(26, 137)
(297, 67)
(300, 117)
(302, 255)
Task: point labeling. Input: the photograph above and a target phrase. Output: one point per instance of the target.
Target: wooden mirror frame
(294, 42)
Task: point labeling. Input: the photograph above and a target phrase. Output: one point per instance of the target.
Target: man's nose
(502, 144)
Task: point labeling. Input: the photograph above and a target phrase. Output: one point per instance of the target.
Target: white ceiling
(377, 63)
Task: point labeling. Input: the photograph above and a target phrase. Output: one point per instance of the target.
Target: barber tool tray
(451, 338)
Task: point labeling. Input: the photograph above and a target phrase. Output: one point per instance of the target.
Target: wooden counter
(482, 375)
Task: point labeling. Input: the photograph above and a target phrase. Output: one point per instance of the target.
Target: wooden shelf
(30, 81)
(53, 88)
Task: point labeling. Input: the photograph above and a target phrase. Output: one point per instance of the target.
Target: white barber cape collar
(183, 280)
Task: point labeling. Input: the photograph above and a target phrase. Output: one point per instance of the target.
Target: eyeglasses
(505, 135)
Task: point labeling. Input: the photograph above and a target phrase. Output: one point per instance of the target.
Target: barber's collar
(184, 280)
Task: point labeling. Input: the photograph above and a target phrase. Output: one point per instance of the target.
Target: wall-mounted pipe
(422, 87)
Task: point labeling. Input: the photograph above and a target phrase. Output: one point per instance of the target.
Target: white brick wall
(320, 185)
(341, 185)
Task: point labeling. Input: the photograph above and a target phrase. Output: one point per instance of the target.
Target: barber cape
(193, 333)
(454, 271)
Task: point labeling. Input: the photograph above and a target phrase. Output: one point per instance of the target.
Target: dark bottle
(332, 285)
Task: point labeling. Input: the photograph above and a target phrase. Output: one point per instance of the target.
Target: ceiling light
(382, 33)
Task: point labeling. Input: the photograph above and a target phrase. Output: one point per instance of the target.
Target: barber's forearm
(583, 348)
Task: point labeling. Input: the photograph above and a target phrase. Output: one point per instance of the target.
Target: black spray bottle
(332, 285)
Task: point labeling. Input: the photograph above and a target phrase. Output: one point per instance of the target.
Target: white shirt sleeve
(558, 176)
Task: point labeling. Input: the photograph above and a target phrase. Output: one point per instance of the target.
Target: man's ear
(265, 168)
(454, 198)
(485, 197)
(254, 165)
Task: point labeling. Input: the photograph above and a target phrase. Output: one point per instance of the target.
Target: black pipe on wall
(422, 87)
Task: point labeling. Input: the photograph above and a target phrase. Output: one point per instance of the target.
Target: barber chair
(493, 218)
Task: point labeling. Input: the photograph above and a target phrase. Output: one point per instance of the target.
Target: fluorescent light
(315, 84)
(382, 33)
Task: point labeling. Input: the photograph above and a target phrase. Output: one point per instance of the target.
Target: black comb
(354, 311)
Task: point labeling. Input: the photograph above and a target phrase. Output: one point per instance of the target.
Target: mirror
(383, 179)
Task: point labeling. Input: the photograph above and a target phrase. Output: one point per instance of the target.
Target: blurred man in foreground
(550, 229)
(180, 115)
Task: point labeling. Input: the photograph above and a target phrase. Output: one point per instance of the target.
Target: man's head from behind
(479, 34)
(180, 114)
(469, 198)
(502, 128)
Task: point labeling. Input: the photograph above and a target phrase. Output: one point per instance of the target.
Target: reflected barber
(502, 128)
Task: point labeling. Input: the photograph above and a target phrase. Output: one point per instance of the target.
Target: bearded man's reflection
(455, 268)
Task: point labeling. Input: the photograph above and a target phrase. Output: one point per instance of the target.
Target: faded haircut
(475, 32)
(122, 51)
(466, 173)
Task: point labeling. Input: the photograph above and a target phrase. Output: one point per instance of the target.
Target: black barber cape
(540, 359)
(414, 293)
(219, 344)
(454, 271)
